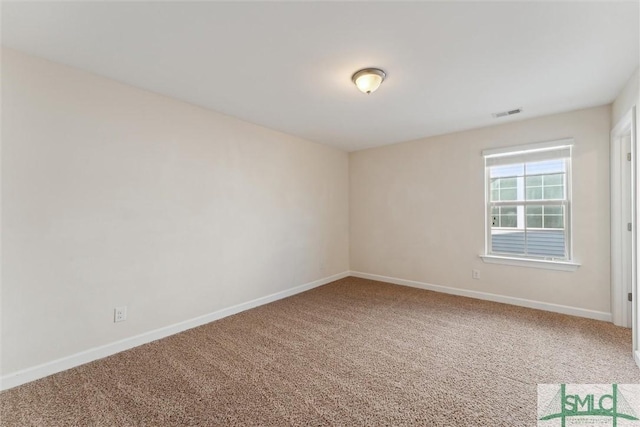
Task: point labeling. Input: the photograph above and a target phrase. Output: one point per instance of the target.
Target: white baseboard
(15, 379)
(556, 308)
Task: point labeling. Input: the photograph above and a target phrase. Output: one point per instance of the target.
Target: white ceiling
(288, 65)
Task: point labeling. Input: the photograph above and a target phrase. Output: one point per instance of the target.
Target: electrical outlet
(475, 274)
(120, 314)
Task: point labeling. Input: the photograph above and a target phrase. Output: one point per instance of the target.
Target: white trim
(536, 146)
(622, 256)
(624, 123)
(33, 373)
(636, 356)
(530, 262)
(556, 308)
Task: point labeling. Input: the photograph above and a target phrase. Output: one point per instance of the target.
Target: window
(528, 202)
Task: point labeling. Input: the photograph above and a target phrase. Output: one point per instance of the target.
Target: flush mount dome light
(369, 79)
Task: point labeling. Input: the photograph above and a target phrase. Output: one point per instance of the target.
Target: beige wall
(627, 98)
(116, 196)
(417, 211)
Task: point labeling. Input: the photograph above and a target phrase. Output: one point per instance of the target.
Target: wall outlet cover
(120, 314)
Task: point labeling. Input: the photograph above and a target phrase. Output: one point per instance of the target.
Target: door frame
(621, 254)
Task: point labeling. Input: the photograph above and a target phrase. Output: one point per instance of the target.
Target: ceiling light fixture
(368, 80)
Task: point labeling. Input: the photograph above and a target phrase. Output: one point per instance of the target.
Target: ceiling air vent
(507, 113)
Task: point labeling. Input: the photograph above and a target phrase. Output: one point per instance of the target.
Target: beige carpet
(354, 352)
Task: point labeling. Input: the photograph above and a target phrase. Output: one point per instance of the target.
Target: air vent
(507, 113)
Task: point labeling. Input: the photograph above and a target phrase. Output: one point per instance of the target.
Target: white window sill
(534, 263)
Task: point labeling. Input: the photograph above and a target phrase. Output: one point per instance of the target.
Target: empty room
(319, 213)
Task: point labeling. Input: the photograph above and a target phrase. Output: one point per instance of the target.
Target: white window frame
(564, 264)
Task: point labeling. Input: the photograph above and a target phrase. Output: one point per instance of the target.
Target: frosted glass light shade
(369, 79)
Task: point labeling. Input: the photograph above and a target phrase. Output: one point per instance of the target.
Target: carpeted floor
(354, 352)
